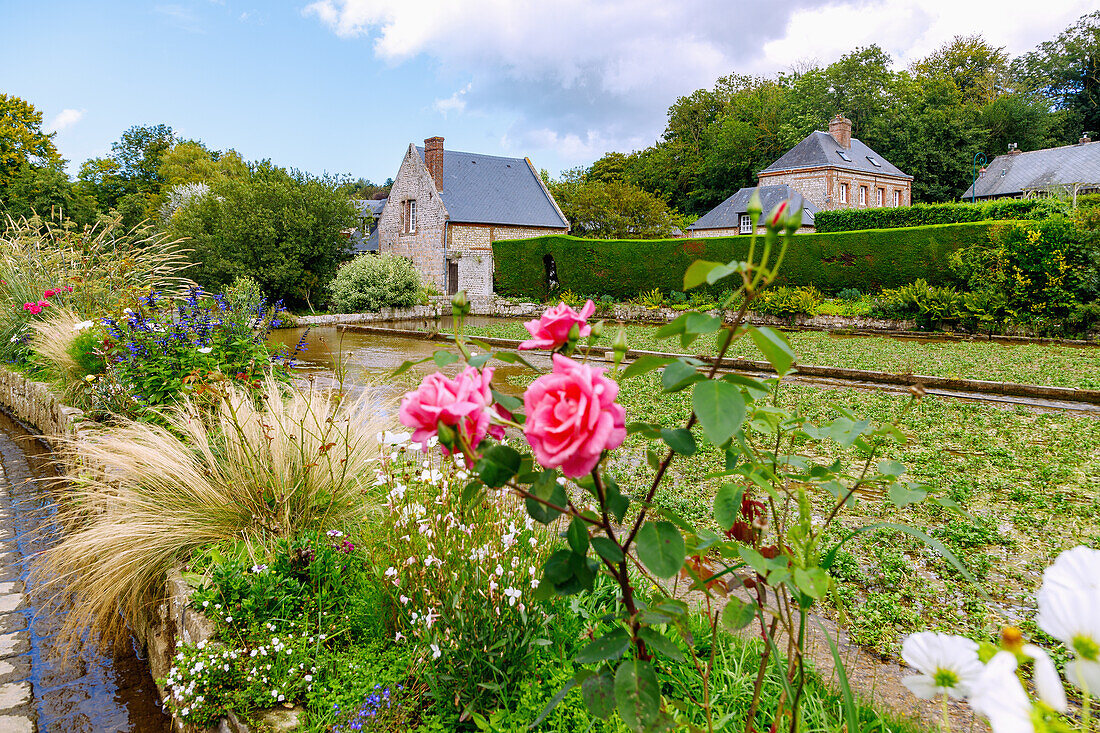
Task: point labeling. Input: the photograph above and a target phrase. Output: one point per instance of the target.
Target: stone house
(830, 170)
(446, 208)
(732, 215)
(1070, 170)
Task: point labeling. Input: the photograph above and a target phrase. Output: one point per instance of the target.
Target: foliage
(23, 142)
(371, 282)
(871, 259)
(247, 471)
(281, 227)
(847, 220)
(1066, 71)
(611, 209)
(128, 181)
(788, 302)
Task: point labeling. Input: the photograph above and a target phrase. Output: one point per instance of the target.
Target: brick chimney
(1014, 149)
(433, 158)
(841, 129)
(1085, 139)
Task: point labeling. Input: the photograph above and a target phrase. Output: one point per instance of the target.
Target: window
(844, 156)
(746, 224)
(408, 216)
(897, 197)
(862, 195)
(874, 162)
(844, 193)
(880, 196)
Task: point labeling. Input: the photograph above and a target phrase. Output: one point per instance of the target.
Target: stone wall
(471, 246)
(424, 246)
(822, 187)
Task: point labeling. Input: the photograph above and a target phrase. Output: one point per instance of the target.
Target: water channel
(90, 691)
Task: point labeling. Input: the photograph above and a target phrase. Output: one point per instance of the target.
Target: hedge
(867, 260)
(851, 220)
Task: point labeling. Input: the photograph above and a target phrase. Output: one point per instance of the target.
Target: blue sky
(342, 86)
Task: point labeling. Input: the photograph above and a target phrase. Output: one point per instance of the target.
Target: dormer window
(746, 224)
(874, 162)
(408, 216)
(844, 156)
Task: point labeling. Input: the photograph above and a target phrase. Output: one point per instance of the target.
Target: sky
(343, 86)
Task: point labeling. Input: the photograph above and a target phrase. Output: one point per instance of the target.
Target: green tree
(979, 70)
(612, 209)
(1066, 71)
(23, 142)
(282, 228)
(46, 191)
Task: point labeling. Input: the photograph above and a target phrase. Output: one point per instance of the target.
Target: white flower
(436, 653)
(513, 595)
(83, 325)
(1069, 610)
(1047, 682)
(998, 695)
(205, 350)
(948, 664)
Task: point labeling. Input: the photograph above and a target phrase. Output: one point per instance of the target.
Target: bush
(850, 220)
(868, 260)
(244, 294)
(372, 282)
(850, 294)
(788, 302)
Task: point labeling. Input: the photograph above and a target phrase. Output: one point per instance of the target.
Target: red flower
(49, 293)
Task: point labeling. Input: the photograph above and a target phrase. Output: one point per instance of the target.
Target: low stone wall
(37, 405)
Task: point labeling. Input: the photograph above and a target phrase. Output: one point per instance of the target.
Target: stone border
(37, 405)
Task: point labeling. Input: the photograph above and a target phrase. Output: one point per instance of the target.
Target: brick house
(830, 170)
(446, 208)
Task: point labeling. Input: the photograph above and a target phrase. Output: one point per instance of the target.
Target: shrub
(849, 220)
(244, 295)
(788, 302)
(868, 260)
(249, 471)
(372, 282)
(850, 294)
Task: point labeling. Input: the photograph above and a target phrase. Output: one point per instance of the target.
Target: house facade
(827, 170)
(446, 208)
(1071, 170)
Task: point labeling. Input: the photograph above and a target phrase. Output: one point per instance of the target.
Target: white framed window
(746, 224)
(880, 197)
(862, 195)
(843, 193)
(897, 197)
(408, 216)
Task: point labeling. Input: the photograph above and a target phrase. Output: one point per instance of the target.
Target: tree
(978, 70)
(46, 191)
(612, 209)
(129, 180)
(1066, 71)
(22, 140)
(283, 228)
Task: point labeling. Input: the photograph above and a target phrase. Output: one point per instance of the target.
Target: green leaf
(680, 440)
(727, 504)
(814, 582)
(851, 715)
(407, 365)
(755, 387)
(661, 548)
(643, 365)
(648, 430)
(637, 694)
(679, 375)
(672, 327)
(700, 323)
(443, 358)
(472, 493)
(891, 468)
(661, 644)
(554, 702)
(901, 495)
(598, 691)
(480, 360)
(547, 488)
(754, 559)
(720, 409)
(609, 646)
(508, 402)
(607, 549)
(737, 614)
(775, 348)
(577, 536)
(697, 273)
(498, 465)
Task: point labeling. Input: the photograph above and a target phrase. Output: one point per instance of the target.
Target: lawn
(1058, 366)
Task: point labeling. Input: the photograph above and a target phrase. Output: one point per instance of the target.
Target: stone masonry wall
(425, 245)
(821, 186)
(471, 245)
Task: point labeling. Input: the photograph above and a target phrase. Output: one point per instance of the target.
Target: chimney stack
(1085, 139)
(1014, 149)
(433, 158)
(841, 129)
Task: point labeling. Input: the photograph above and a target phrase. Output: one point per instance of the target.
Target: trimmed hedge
(867, 260)
(851, 220)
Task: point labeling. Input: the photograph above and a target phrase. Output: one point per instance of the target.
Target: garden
(636, 546)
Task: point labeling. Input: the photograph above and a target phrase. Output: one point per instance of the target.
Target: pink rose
(462, 403)
(552, 330)
(572, 417)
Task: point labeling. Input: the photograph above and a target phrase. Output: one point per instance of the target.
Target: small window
(408, 216)
(862, 195)
(897, 197)
(880, 197)
(844, 193)
(746, 224)
(874, 162)
(844, 156)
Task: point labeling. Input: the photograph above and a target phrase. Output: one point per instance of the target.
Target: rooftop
(727, 215)
(820, 149)
(1039, 170)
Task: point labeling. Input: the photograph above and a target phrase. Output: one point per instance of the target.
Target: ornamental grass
(246, 473)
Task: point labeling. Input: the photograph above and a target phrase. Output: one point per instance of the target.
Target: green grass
(1059, 366)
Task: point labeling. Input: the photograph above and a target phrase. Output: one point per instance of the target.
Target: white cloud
(64, 119)
(581, 77)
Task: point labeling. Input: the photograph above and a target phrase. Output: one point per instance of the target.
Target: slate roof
(821, 149)
(489, 189)
(1039, 170)
(727, 215)
(369, 206)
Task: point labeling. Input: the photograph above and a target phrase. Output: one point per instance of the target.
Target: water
(94, 691)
